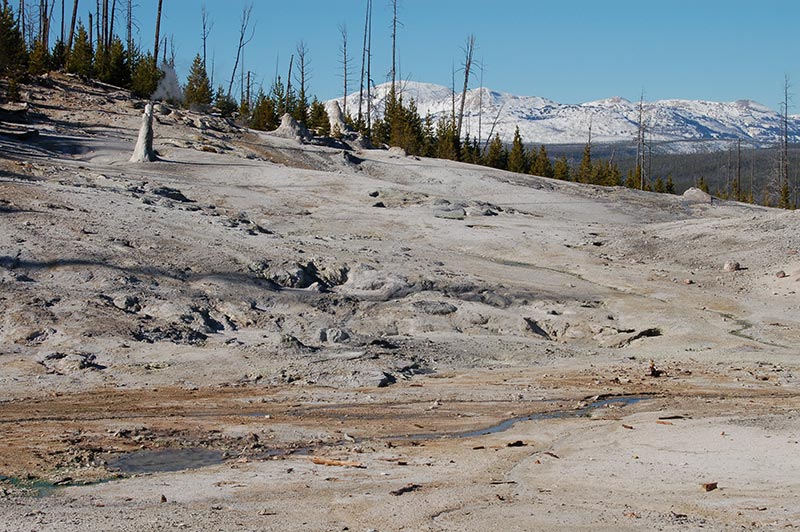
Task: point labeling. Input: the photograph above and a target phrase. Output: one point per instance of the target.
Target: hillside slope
(256, 333)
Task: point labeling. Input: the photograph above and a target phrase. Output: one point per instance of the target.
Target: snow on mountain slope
(672, 125)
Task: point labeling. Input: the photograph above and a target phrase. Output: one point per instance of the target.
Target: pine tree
(634, 179)
(540, 163)
(517, 158)
(447, 146)
(80, 61)
(197, 94)
(58, 59)
(39, 60)
(659, 186)
(669, 188)
(145, 76)
(407, 128)
(225, 104)
(116, 69)
(318, 120)
(585, 170)
(702, 185)
(264, 115)
(614, 176)
(784, 199)
(429, 137)
(277, 93)
(600, 173)
(561, 169)
(13, 52)
(496, 156)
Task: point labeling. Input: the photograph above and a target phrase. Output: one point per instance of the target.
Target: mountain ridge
(673, 125)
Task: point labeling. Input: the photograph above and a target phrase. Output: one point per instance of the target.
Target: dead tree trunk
(344, 61)
(144, 152)
(158, 33)
(303, 75)
(363, 63)
(244, 40)
(640, 154)
(72, 27)
(480, 106)
(784, 195)
(111, 17)
(369, 71)
(129, 29)
(21, 21)
(394, 45)
(288, 105)
(98, 30)
(43, 18)
(206, 32)
(468, 52)
(104, 24)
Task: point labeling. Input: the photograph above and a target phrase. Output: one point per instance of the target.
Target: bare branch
(244, 40)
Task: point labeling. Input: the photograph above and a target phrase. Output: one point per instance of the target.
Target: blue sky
(570, 51)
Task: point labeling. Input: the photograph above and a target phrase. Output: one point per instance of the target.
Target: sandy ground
(479, 350)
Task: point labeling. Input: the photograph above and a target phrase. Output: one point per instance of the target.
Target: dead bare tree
(344, 62)
(394, 45)
(369, 71)
(63, 15)
(98, 25)
(207, 27)
(244, 40)
(45, 13)
(480, 106)
(103, 37)
(491, 131)
(72, 27)
(469, 49)
(784, 195)
(21, 14)
(289, 85)
(364, 62)
(129, 28)
(304, 73)
(111, 16)
(158, 32)
(640, 136)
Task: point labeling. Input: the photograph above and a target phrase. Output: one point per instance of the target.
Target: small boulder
(334, 335)
(435, 308)
(732, 266)
(781, 274)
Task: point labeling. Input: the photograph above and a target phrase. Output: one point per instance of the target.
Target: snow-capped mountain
(672, 125)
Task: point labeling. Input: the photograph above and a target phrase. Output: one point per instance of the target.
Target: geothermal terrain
(263, 333)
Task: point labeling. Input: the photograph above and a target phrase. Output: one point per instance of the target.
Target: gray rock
(456, 213)
(732, 266)
(334, 335)
(435, 308)
(127, 303)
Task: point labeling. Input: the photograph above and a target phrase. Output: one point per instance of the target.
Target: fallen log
(336, 463)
